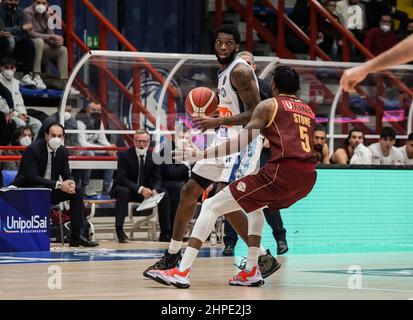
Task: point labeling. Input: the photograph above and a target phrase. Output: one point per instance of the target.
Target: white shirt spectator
(395, 156)
(13, 86)
(362, 155)
(406, 161)
(92, 139)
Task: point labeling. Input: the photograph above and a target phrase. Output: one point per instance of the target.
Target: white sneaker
(74, 92)
(39, 82)
(27, 81)
(247, 279)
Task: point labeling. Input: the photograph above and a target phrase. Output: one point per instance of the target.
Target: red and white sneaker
(248, 279)
(171, 277)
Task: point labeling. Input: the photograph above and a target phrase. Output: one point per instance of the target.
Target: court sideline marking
(340, 287)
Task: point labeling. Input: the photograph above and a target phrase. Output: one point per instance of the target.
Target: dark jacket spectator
(382, 38)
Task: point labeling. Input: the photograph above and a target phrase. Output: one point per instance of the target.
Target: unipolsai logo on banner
(19, 225)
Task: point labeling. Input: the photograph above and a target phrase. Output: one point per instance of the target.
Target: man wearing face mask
(70, 124)
(138, 178)
(47, 44)
(91, 120)
(42, 165)
(15, 40)
(381, 38)
(19, 112)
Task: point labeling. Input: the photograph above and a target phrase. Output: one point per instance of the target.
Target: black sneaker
(268, 264)
(282, 247)
(228, 251)
(168, 261)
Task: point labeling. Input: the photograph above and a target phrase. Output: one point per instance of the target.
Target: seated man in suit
(41, 165)
(136, 179)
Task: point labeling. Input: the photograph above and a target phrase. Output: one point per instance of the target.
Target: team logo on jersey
(241, 186)
(223, 93)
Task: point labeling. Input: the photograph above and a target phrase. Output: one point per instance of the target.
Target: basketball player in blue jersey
(238, 94)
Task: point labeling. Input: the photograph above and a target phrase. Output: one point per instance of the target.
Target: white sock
(263, 252)
(188, 258)
(252, 258)
(174, 246)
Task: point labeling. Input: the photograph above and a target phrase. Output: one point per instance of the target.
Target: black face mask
(94, 121)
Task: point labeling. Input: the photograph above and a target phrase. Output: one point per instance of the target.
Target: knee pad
(220, 204)
(255, 222)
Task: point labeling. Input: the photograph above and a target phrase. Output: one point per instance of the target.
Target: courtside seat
(8, 177)
(146, 221)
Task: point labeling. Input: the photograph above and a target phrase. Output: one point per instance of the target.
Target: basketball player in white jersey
(238, 95)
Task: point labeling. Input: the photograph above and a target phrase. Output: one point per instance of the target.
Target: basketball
(201, 101)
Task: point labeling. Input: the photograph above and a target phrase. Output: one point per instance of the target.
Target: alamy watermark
(55, 20)
(354, 281)
(54, 282)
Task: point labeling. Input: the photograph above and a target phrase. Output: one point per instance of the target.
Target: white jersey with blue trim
(230, 103)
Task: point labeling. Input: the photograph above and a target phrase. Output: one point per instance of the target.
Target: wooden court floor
(372, 276)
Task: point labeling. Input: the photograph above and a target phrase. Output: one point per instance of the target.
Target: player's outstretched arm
(399, 54)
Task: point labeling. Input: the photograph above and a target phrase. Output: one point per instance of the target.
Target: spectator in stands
(320, 145)
(91, 120)
(41, 165)
(70, 124)
(329, 38)
(138, 178)
(47, 44)
(15, 40)
(352, 15)
(6, 100)
(7, 127)
(384, 152)
(8, 69)
(174, 175)
(353, 145)
(301, 17)
(407, 150)
(376, 8)
(381, 38)
(23, 137)
(407, 32)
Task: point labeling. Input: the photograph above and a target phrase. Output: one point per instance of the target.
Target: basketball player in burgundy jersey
(289, 175)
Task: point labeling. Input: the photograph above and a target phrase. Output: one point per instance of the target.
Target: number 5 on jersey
(305, 139)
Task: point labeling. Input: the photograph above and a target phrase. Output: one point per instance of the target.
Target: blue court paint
(93, 255)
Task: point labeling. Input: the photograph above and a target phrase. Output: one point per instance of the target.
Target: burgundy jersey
(291, 130)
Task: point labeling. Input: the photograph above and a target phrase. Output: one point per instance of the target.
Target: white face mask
(68, 115)
(385, 27)
(40, 8)
(8, 74)
(55, 143)
(25, 141)
(141, 152)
